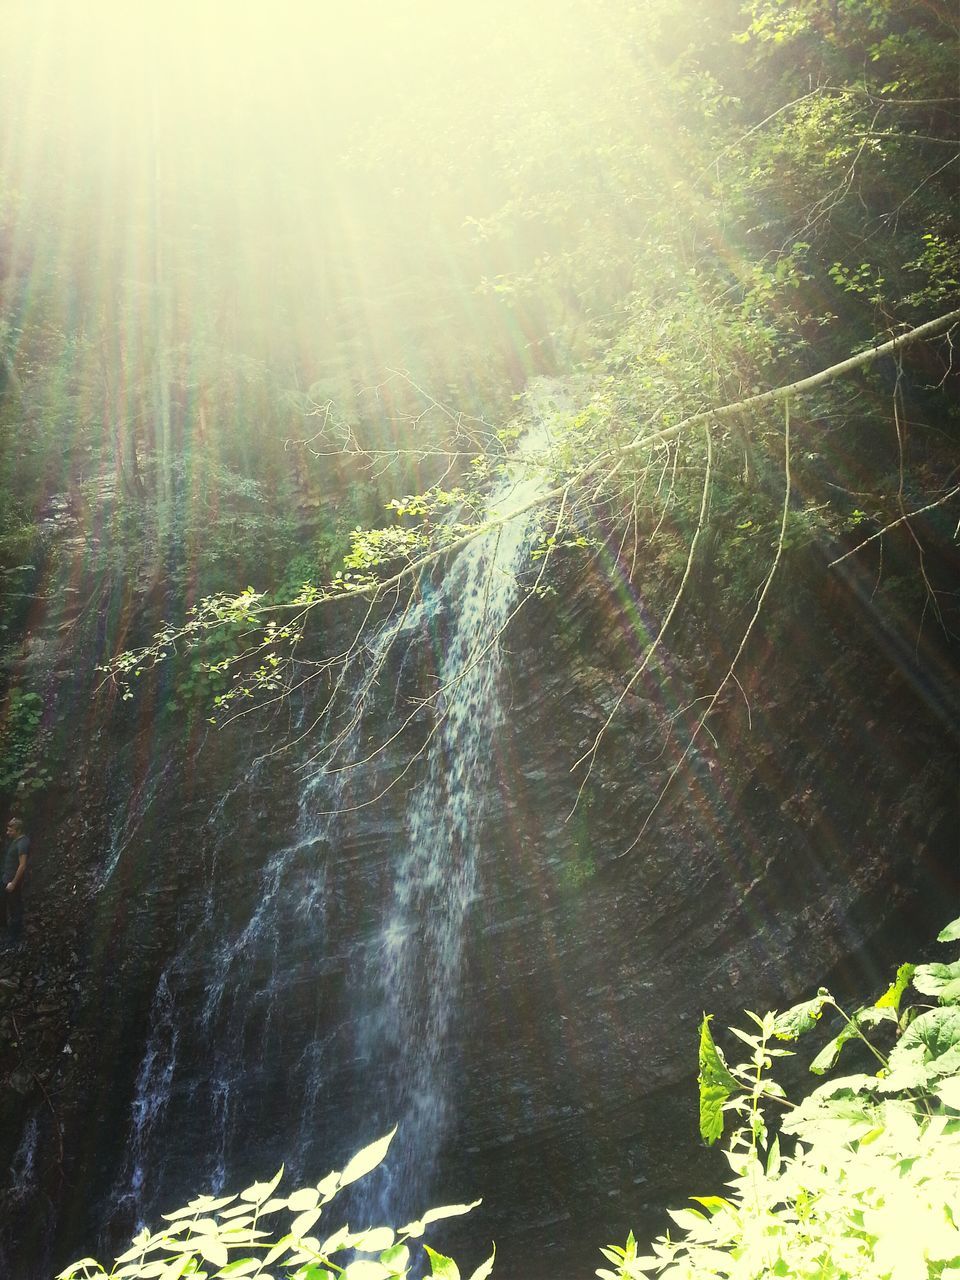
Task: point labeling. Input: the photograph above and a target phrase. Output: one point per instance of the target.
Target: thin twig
(743, 639)
(952, 493)
(591, 753)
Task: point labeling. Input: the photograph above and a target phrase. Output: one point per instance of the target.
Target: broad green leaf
(907, 1073)
(138, 1246)
(375, 1240)
(687, 1219)
(205, 1226)
(242, 1267)
(340, 1239)
(894, 993)
(834, 1120)
(449, 1211)
(951, 932)
(304, 1221)
(716, 1084)
(485, 1268)
(282, 1246)
(442, 1268)
(178, 1266)
(712, 1204)
(244, 1212)
(940, 980)
(870, 1015)
(366, 1269)
(300, 1201)
(801, 1018)
(830, 1052)
(366, 1159)
(850, 1085)
(397, 1257)
(152, 1270)
(261, 1191)
(213, 1250)
(202, 1204)
(327, 1189)
(936, 1032)
(949, 1091)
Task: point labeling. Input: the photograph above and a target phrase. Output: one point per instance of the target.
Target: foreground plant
(867, 1181)
(224, 1236)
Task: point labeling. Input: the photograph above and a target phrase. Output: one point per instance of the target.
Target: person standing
(11, 887)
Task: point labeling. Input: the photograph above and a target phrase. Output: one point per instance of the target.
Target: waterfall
(258, 1059)
(416, 965)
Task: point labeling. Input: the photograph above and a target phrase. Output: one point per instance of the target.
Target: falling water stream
(417, 962)
(259, 1028)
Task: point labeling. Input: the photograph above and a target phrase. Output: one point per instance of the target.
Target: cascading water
(265, 1047)
(416, 965)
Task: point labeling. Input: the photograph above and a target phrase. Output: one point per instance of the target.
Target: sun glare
(297, 159)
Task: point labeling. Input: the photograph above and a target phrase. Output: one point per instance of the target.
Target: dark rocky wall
(812, 833)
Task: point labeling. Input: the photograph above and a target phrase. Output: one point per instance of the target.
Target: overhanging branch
(707, 417)
(928, 330)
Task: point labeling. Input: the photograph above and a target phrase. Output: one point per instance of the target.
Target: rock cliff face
(215, 946)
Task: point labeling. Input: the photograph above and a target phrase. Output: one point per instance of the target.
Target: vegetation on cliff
(697, 204)
(738, 252)
(276, 301)
(861, 1178)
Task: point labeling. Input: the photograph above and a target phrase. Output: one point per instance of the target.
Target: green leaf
(712, 1204)
(374, 1240)
(951, 932)
(340, 1239)
(397, 1257)
(830, 1052)
(260, 1191)
(366, 1159)
(868, 1016)
(300, 1201)
(935, 1038)
(302, 1224)
(328, 1186)
(485, 1268)
(442, 1267)
(949, 1091)
(894, 994)
(366, 1269)
(449, 1211)
(282, 1246)
(940, 980)
(213, 1250)
(802, 1017)
(716, 1084)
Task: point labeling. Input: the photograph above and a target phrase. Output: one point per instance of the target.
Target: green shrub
(21, 771)
(862, 1181)
(224, 1236)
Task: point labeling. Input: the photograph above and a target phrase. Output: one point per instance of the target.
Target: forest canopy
(273, 291)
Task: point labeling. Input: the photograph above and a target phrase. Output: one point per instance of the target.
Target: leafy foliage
(863, 1176)
(22, 770)
(225, 1236)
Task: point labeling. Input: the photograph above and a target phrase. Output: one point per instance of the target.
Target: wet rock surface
(810, 834)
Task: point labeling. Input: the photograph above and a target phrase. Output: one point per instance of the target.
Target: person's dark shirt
(11, 859)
